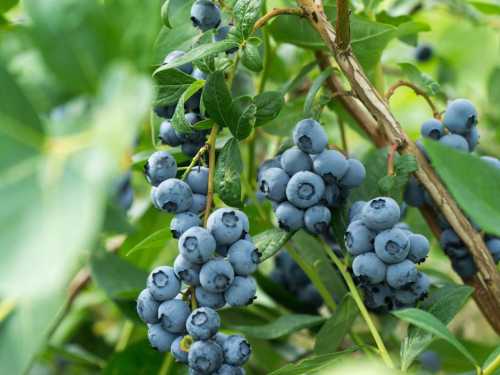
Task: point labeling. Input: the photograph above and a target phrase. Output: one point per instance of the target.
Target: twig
(274, 13)
(342, 26)
(343, 135)
(211, 171)
(418, 91)
(390, 160)
(195, 160)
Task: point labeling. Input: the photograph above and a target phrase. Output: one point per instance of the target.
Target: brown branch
(390, 159)
(342, 27)
(274, 13)
(378, 108)
(418, 91)
(211, 171)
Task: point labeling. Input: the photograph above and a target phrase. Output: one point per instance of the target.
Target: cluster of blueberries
(459, 131)
(385, 255)
(306, 180)
(205, 15)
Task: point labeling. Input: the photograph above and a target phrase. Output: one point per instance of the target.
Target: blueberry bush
(249, 187)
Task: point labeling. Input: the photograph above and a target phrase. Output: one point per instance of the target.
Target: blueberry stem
(211, 171)
(195, 160)
(274, 13)
(418, 91)
(361, 306)
(490, 369)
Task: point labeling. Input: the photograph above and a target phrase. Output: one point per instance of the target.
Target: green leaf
(486, 8)
(243, 112)
(171, 83)
(494, 87)
(137, 358)
(179, 121)
(246, 13)
(312, 364)
(283, 326)
(271, 241)
(228, 173)
(315, 87)
(444, 304)
(333, 331)
(154, 242)
(431, 324)
(269, 105)
(299, 78)
(5, 5)
(251, 57)
(165, 9)
(405, 165)
(464, 175)
(198, 53)
(291, 113)
(422, 80)
(217, 99)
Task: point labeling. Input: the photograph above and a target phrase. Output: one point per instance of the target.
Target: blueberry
(355, 210)
(433, 129)
(423, 53)
(208, 299)
(160, 167)
(369, 268)
(199, 75)
(267, 164)
(174, 195)
(220, 338)
(378, 296)
(355, 174)
(421, 287)
(430, 361)
(179, 354)
(457, 252)
(493, 246)
(197, 245)
(175, 55)
(199, 203)
(226, 225)
(163, 284)
(401, 274)
(392, 245)
(154, 200)
(404, 227)
(205, 357)
(165, 111)
(221, 33)
(317, 219)
(294, 160)
(309, 295)
(273, 183)
(203, 323)
(465, 267)
(244, 221)
(173, 315)
(197, 179)
(205, 15)
(332, 196)
(331, 165)
(244, 257)
(405, 296)
(419, 248)
(216, 275)
(381, 213)
(226, 369)
(460, 116)
(168, 135)
(241, 292)
(237, 350)
(473, 138)
(182, 222)
(188, 272)
(305, 189)
(491, 161)
(147, 307)
(289, 217)
(191, 148)
(310, 136)
(160, 339)
(358, 238)
(414, 194)
(455, 141)
(449, 239)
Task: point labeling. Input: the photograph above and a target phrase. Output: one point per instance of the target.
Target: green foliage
(227, 174)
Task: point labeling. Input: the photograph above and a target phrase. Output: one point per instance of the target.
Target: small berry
(241, 292)
(310, 136)
(289, 217)
(176, 350)
(197, 245)
(160, 167)
(317, 219)
(401, 274)
(160, 339)
(460, 116)
(208, 299)
(369, 268)
(236, 350)
(147, 307)
(187, 271)
(197, 179)
(244, 257)
(331, 165)
(358, 238)
(203, 323)
(433, 129)
(163, 284)
(273, 183)
(305, 189)
(173, 315)
(174, 195)
(205, 357)
(216, 275)
(392, 245)
(205, 15)
(355, 174)
(419, 248)
(381, 213)
(455, 141)
(294, 160)
(227, 225)
(182, 222)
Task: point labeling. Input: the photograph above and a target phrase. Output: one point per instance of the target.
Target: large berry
(419, 248)
(237, 350)
(205, 357)
(208, 299)
(392, 245)
(241, 292)
(197, 245)
(355, 174)
(244, 257)
(187, 271)
(147, 307)
(175, 55)
(160, 339)
(317, 219)
(401, 274)
(160, 167)
(381, 213)
(173, 315)
(182, 222)
(455, 141)
(177, 351)
(310, 136)
(163, 284)
(305, 189)
(369, 268)
(205, 15)
(216, 275)
(273, 182)
(227, 225)
(460, 116)
(433, 129)
(294, 160)
(290, 218)
(168, 135)
(174, 195)
(359, 238)
(203, 323)
(331, 165)
(197, 179)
